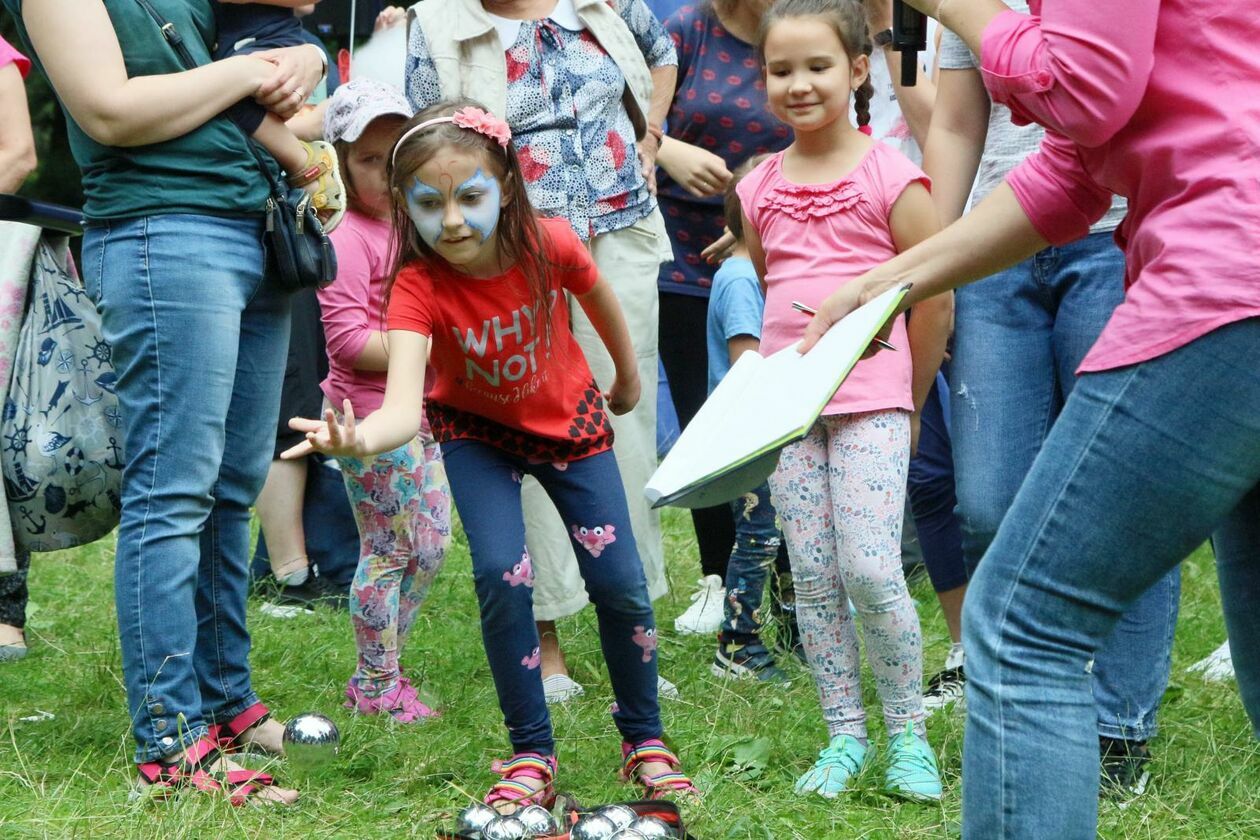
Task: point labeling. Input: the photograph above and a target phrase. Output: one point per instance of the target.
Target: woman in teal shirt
(173, 259)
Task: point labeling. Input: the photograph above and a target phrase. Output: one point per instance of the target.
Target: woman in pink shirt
(1158, 446)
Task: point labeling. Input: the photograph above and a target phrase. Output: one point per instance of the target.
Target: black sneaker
(316, 591)
(1123, 768)
(944, 689)
(734, 661)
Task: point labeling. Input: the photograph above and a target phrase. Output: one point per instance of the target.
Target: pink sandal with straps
(189, 772)
(674, 782)
(227, 736)
(511, 790)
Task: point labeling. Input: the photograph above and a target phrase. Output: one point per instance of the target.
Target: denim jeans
(931, 491)
(199, 335)
(486, 487)
(1143, 463)
(757, 542)
(1019, 337)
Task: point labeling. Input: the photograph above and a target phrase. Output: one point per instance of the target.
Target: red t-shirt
(495, 381)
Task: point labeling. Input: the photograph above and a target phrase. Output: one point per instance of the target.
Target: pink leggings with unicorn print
(402, 504)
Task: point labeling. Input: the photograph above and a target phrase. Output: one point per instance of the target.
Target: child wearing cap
(401, 499)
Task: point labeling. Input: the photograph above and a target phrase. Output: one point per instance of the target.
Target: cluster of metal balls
(612, 822)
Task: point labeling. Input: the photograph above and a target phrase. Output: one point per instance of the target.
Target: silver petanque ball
(651, 827)
(311, 741)
(628, 833)
(474, 818)
(593, 827)
(538, 820)
(619, 815)
(505, 828)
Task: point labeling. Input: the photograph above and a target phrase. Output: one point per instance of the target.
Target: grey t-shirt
(1007, 144)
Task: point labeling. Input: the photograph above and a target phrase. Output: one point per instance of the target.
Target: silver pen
(809, 310)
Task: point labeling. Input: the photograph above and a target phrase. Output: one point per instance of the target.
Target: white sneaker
(561, 688)
(705, 614)
(666, 689)
(1218, 666)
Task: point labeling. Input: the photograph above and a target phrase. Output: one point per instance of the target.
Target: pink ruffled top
(817, 237)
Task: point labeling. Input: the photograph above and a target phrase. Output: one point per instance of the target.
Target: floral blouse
(569, 124)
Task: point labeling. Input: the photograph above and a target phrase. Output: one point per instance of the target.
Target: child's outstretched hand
(327, 435)
(623, 395)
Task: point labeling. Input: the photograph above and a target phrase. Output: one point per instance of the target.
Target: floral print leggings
(402, 504)
(840, 494)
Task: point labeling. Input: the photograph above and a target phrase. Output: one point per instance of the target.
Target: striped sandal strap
(672, 782)
(518, 772)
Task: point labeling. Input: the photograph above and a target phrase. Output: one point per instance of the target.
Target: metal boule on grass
(652, 827)
(506, 828)
(593, 827)
(311, 741)
(538, 820)
(474, 818)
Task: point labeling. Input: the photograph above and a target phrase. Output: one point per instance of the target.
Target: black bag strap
(176, 42)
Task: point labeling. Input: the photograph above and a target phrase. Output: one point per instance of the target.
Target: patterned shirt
(720, 106)
(569, 124)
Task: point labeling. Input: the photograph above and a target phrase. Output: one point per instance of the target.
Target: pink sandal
(402, 702)
(189, 772)
(510, 788)
(674, 782)
(227, 736)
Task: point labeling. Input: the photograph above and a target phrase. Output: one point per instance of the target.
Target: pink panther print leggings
(840, 494)
(402, 504)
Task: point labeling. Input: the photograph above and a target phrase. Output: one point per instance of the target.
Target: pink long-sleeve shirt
(1158, 101)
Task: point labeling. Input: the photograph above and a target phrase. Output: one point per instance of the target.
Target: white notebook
(764, 403)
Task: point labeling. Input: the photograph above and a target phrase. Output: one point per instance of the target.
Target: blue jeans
(199, 335)
(1143, 463)
(757, 541)
(486, 487)
(932, 498)
(1019, 337)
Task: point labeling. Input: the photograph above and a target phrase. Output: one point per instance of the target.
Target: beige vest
(465, 49)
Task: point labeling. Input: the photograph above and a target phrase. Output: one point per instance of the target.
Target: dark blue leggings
(486, 486)
(932, 499)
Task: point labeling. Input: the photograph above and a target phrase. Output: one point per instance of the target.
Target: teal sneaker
(836, 765)
(912, 772)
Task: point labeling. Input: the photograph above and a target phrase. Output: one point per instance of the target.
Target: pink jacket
(1159, 101)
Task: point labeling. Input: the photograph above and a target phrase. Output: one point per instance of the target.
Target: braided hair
(848, 19)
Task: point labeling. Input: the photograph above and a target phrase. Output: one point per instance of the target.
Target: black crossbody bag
(298, 251)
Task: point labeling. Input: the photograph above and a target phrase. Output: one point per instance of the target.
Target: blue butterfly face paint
(425, 207)
(477, 200)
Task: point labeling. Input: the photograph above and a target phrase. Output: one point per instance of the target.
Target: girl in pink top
(1158, 446)
(828, 208)
(401, 498)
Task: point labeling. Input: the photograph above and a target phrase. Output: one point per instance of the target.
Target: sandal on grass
(673, 782)
(191, 771)
(229, 737)
(519, 772)
(321, 177)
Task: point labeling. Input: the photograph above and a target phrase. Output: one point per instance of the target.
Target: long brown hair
(848, 19)
(518, 236)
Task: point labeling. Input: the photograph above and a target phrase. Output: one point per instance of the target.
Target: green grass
(70, 776)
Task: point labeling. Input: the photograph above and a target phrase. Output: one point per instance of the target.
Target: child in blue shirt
(736, 304)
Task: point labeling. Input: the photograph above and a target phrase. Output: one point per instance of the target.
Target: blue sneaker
(836, 765)
(912, 772)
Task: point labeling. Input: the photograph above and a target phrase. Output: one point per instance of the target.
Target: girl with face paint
(481, 290)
